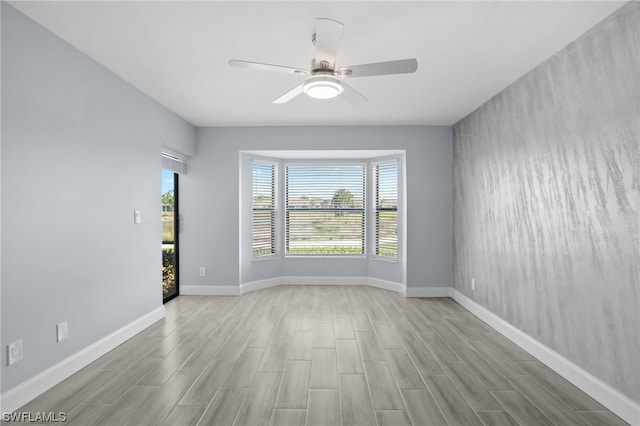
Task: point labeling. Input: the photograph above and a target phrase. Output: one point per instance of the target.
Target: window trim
(365, 163)
(331, 156)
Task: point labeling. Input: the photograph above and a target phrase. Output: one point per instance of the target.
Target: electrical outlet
(62, 330)
(473, 283)
(14, 352)
(203, 271)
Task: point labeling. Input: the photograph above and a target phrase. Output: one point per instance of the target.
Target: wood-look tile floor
(312, 355)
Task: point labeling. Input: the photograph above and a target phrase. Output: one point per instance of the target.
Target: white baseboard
(213, 290)
(210, 290)
(428, 292)
(273, 282)
(259, 285)
(40, 383)
(323, 280)
(618, 403)
(387, 285)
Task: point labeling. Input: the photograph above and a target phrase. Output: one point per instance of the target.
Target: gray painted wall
(210, 229)
(547, 202)
(80, 152)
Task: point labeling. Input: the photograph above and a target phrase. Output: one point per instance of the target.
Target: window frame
(375, 210)
(365, 164)
(274, 210)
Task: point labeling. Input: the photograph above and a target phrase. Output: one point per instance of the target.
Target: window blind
(264, 209)
(386, 175)
(325, 209)
(173, 162)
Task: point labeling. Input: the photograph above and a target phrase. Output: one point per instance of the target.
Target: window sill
(385, 259)
(325, 256)
(263, 258)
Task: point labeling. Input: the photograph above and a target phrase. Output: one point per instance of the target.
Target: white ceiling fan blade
(352, 95)
(289, 95)
(326, 39)
(403, 66)
(266, 67)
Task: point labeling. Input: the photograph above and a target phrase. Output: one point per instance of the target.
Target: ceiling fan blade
(289, 95)
(266, 67)
(403, 66)
(352, 95)
(326, 39)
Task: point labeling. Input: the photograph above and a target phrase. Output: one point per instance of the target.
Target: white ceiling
(177, 53)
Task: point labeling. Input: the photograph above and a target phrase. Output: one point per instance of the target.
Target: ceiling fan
(324, 80)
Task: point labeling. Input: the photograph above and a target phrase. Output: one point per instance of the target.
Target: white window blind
(264, 209)
(173, 162)
(325, 209)
(386, 175)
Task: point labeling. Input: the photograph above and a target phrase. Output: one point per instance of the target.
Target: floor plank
(453, 406)
(565, 391)
(129, 403)
(275, 357)
(403, 370)
(348, 354)
(476, 394)
(599, 418)
(158, 407)
(205, 387)
(323, 408)
(422, 358)
(344, 329)
(288, 417)
(422, 408)
(114, 389)
(324, 335)
(224, 407)
(521, 408)
(485, 371)
(384, 394)
(295, 385)
(183, 415)
(86, 414)
(546, 402)
(324, 370)
(241, 375)
(370, 348)
(302, 346)
(392, 418)
(355, 404)
(496, 418)
(387, 336)
(259, 402)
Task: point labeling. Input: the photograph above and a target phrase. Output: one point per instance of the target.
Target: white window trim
(324, 162)
(370, 157)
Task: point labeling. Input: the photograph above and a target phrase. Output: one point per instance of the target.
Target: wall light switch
(473, 283)
(203, 271)
(136, 216)
(62, 330)
(14, 352)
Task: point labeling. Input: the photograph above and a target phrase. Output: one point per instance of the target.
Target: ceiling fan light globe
(322, 87)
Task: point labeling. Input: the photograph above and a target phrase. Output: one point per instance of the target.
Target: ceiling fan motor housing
(323, 86)
(320, 67)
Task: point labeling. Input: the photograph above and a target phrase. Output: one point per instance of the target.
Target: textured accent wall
(547, 202)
